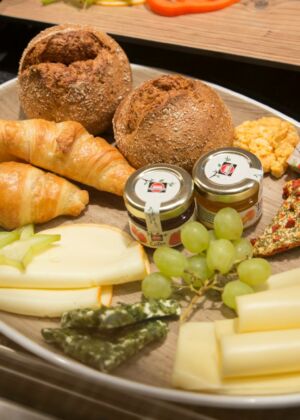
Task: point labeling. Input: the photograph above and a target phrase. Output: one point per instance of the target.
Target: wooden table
(270, 35)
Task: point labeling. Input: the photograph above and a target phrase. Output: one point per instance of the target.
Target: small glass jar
(228, 177)
(159, 201)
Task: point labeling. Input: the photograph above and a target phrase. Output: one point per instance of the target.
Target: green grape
(212, 235)
(220, 255)
(232, 290)
(157, 286)
(254, 271)
(195, 237)
(170, 261)
(228, 224)
(197, 271)
(243, 249)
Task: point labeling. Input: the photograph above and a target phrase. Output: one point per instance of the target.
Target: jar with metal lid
(159, 200)
(228, 177)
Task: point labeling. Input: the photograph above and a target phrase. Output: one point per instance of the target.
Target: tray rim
(170, 394)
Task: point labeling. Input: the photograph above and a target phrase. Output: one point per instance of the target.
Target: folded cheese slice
(273, 309)
(52, 303)
(198, 364)
(87, 255)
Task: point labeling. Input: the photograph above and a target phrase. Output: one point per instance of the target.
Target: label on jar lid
(154, 188)
(230, 168)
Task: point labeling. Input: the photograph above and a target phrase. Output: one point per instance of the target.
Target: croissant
(5, 157)
(30, 195)
(67, 149)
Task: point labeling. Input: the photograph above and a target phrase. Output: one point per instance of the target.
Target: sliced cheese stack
(76, 272)
(221, 357)
(87, 255)
(198, 364)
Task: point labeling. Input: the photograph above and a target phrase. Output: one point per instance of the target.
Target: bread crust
(73, 72)
(30, 195)
(171, 119)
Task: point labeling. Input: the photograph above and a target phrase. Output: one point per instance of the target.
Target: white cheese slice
(273, 309)
(87, 255)
(52, 303)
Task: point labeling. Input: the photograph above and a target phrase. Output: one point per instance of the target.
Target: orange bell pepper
(181, 7)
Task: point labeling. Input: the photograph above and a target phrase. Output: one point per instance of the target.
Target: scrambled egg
(271, 139)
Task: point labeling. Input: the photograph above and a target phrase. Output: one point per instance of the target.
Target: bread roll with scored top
(171, 119)
(73, 72)
(30, 195)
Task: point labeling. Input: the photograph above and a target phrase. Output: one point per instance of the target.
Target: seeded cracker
(284, 231)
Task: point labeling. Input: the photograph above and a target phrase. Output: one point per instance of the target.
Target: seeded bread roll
(171, 119)
(73, 72)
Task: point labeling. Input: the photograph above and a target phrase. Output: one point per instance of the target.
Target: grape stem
(185, 314)
(216, 283)
(208, 284)
(218, 289)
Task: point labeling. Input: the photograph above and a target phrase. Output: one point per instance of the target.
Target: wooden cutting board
(154, 365)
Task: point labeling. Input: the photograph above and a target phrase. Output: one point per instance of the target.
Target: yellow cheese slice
(225, 327)
(52, 303)
(87, 255)
(196, 362)
(203, 373)
(273, 309)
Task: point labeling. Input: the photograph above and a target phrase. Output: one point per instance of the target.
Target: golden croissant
(30, 195)
(67, 149)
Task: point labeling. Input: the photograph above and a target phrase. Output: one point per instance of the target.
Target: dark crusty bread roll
(73, 72)
(171, 119)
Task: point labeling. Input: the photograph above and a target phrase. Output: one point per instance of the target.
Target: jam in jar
(159, 201)
(228, 177)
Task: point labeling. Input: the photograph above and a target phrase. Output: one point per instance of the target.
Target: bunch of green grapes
(216, 251)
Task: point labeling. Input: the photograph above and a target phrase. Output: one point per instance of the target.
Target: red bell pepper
(181, 7)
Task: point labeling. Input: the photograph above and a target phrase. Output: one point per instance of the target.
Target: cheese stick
(269, 310)
(284, 279)
(260, 353)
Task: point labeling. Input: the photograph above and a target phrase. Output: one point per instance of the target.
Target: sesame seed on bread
(73, 72)
(171, 119)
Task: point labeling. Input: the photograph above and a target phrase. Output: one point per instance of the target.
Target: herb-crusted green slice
(101, 353)
(283, 233)
(119, 316)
